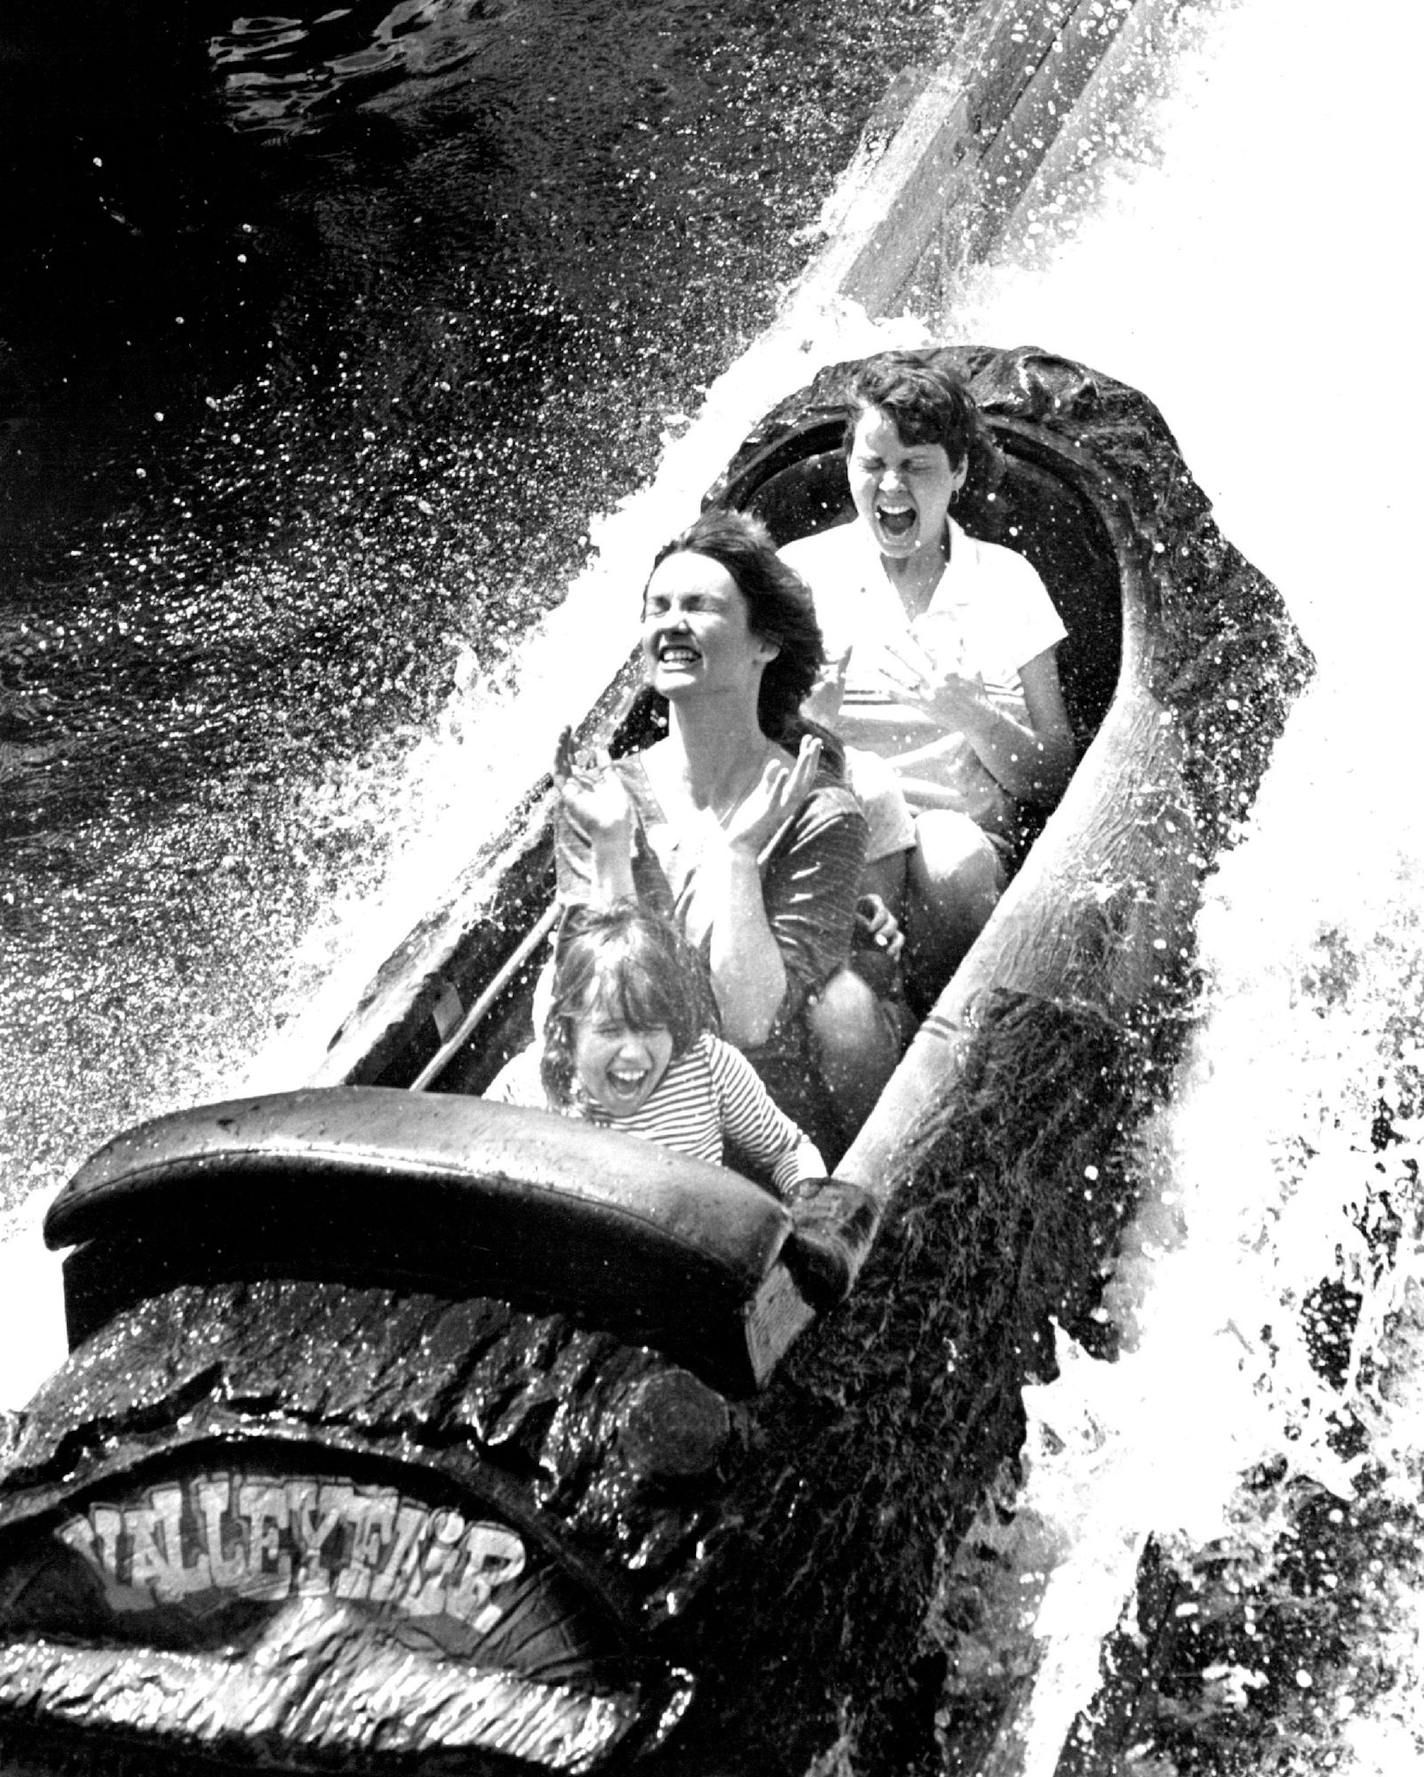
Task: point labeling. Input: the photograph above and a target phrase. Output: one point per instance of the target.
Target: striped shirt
(710, 1095)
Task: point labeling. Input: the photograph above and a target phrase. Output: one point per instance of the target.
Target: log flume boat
(403, 1432)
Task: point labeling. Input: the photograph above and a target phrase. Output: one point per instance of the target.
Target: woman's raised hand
(947, 697)
(773, 799)
(593, 796)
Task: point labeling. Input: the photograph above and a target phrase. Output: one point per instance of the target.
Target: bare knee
(954, 858)
(956, 878)
(857, 1042)
(845, 1016)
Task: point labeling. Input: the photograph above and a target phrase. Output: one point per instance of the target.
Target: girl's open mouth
(626, 1083)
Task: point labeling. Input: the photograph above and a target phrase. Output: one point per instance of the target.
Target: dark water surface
(322, 338)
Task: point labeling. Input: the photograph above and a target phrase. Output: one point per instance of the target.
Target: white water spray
(1237, 259)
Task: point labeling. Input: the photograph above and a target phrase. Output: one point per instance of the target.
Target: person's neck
(718, 751)
(915, 577)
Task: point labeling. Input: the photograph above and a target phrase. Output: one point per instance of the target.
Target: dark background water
(322, 339)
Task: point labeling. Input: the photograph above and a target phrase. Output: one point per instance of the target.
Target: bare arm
(596, 806)
(1052, 731)
(748, 970)
(1033, 762)
(757, 1124)
(744, 959)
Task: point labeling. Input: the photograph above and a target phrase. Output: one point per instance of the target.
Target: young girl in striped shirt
(628, 1044)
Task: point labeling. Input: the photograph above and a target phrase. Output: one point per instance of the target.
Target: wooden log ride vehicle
(404, 1432)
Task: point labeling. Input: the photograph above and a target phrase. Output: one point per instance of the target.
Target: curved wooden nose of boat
(367, 1184)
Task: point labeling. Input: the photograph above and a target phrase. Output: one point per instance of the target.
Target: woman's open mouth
(896, 521)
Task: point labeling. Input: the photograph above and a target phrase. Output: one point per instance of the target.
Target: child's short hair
(635, 963)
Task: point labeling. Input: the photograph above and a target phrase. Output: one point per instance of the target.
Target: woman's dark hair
(929, 403)
(635, 964)
(779, 610)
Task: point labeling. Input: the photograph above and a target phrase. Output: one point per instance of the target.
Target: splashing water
(1263, 1432)
(275, 648)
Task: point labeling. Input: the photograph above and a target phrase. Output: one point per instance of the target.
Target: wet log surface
(373, 1373)
(522, 1418)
